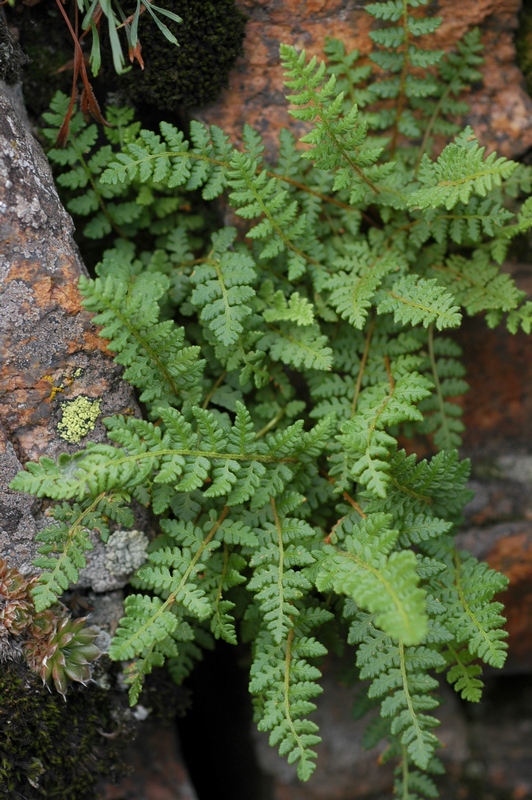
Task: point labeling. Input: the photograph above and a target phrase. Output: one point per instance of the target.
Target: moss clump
(53, 748)
(193, 74)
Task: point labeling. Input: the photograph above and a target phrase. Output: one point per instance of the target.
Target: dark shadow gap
(215, 734)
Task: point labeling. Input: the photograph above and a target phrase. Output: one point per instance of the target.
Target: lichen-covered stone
(125, 551)
(78, 418)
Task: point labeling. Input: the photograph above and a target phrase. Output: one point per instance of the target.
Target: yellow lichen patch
(78, 418)
(55, 389)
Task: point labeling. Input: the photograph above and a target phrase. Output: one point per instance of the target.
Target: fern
(459, 172)
(68, 539)
(279, 363)
(364, 442)
(223, 288)
(153, 352)
(384, 584)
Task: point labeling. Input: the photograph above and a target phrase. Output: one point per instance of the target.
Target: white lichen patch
(125, 551)
(78, 418)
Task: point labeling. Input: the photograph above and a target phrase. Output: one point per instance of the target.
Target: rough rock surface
(50, 349)
(17, 523)
(501, 111)
(498, 438)
(50, 353)
(158, 772)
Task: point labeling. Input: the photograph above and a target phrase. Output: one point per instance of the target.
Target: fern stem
(206, 454)
(439, 394)
(409, 704)
(362, 367)
(271, 424)
(279, 529)
(215, 386)
(405, 774)
(353, 504)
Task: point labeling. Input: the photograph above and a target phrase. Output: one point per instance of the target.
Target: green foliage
(115, 21)
(277, 364)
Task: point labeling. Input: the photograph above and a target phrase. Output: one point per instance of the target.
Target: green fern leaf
(417, 301)
(379, 581)
(459, 172)
(223, 288)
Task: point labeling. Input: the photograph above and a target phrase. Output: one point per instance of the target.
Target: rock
(158, 771)
(501, 110)
(17, 523)
(57, 379)
(498, 407)
(500, 735)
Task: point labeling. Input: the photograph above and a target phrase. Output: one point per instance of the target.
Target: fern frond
(352, 293)
(380, 581)
(399, 675)
(257, 195)
(275, 582)
(285, 685)
(477, 284)
(473, 617)
(442, 415)
(65, 543)
(337, 140)
(364, 442)
(223, 287)
(154, 353)
(417, 301)
(297, 346)
(169, 159)
(459, 172)
(437, 487)
(463, 674)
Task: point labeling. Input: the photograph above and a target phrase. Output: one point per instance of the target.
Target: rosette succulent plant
(58, 648)
(65, 653)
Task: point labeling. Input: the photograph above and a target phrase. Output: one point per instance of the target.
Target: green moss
(52, 748)
(210, 39)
